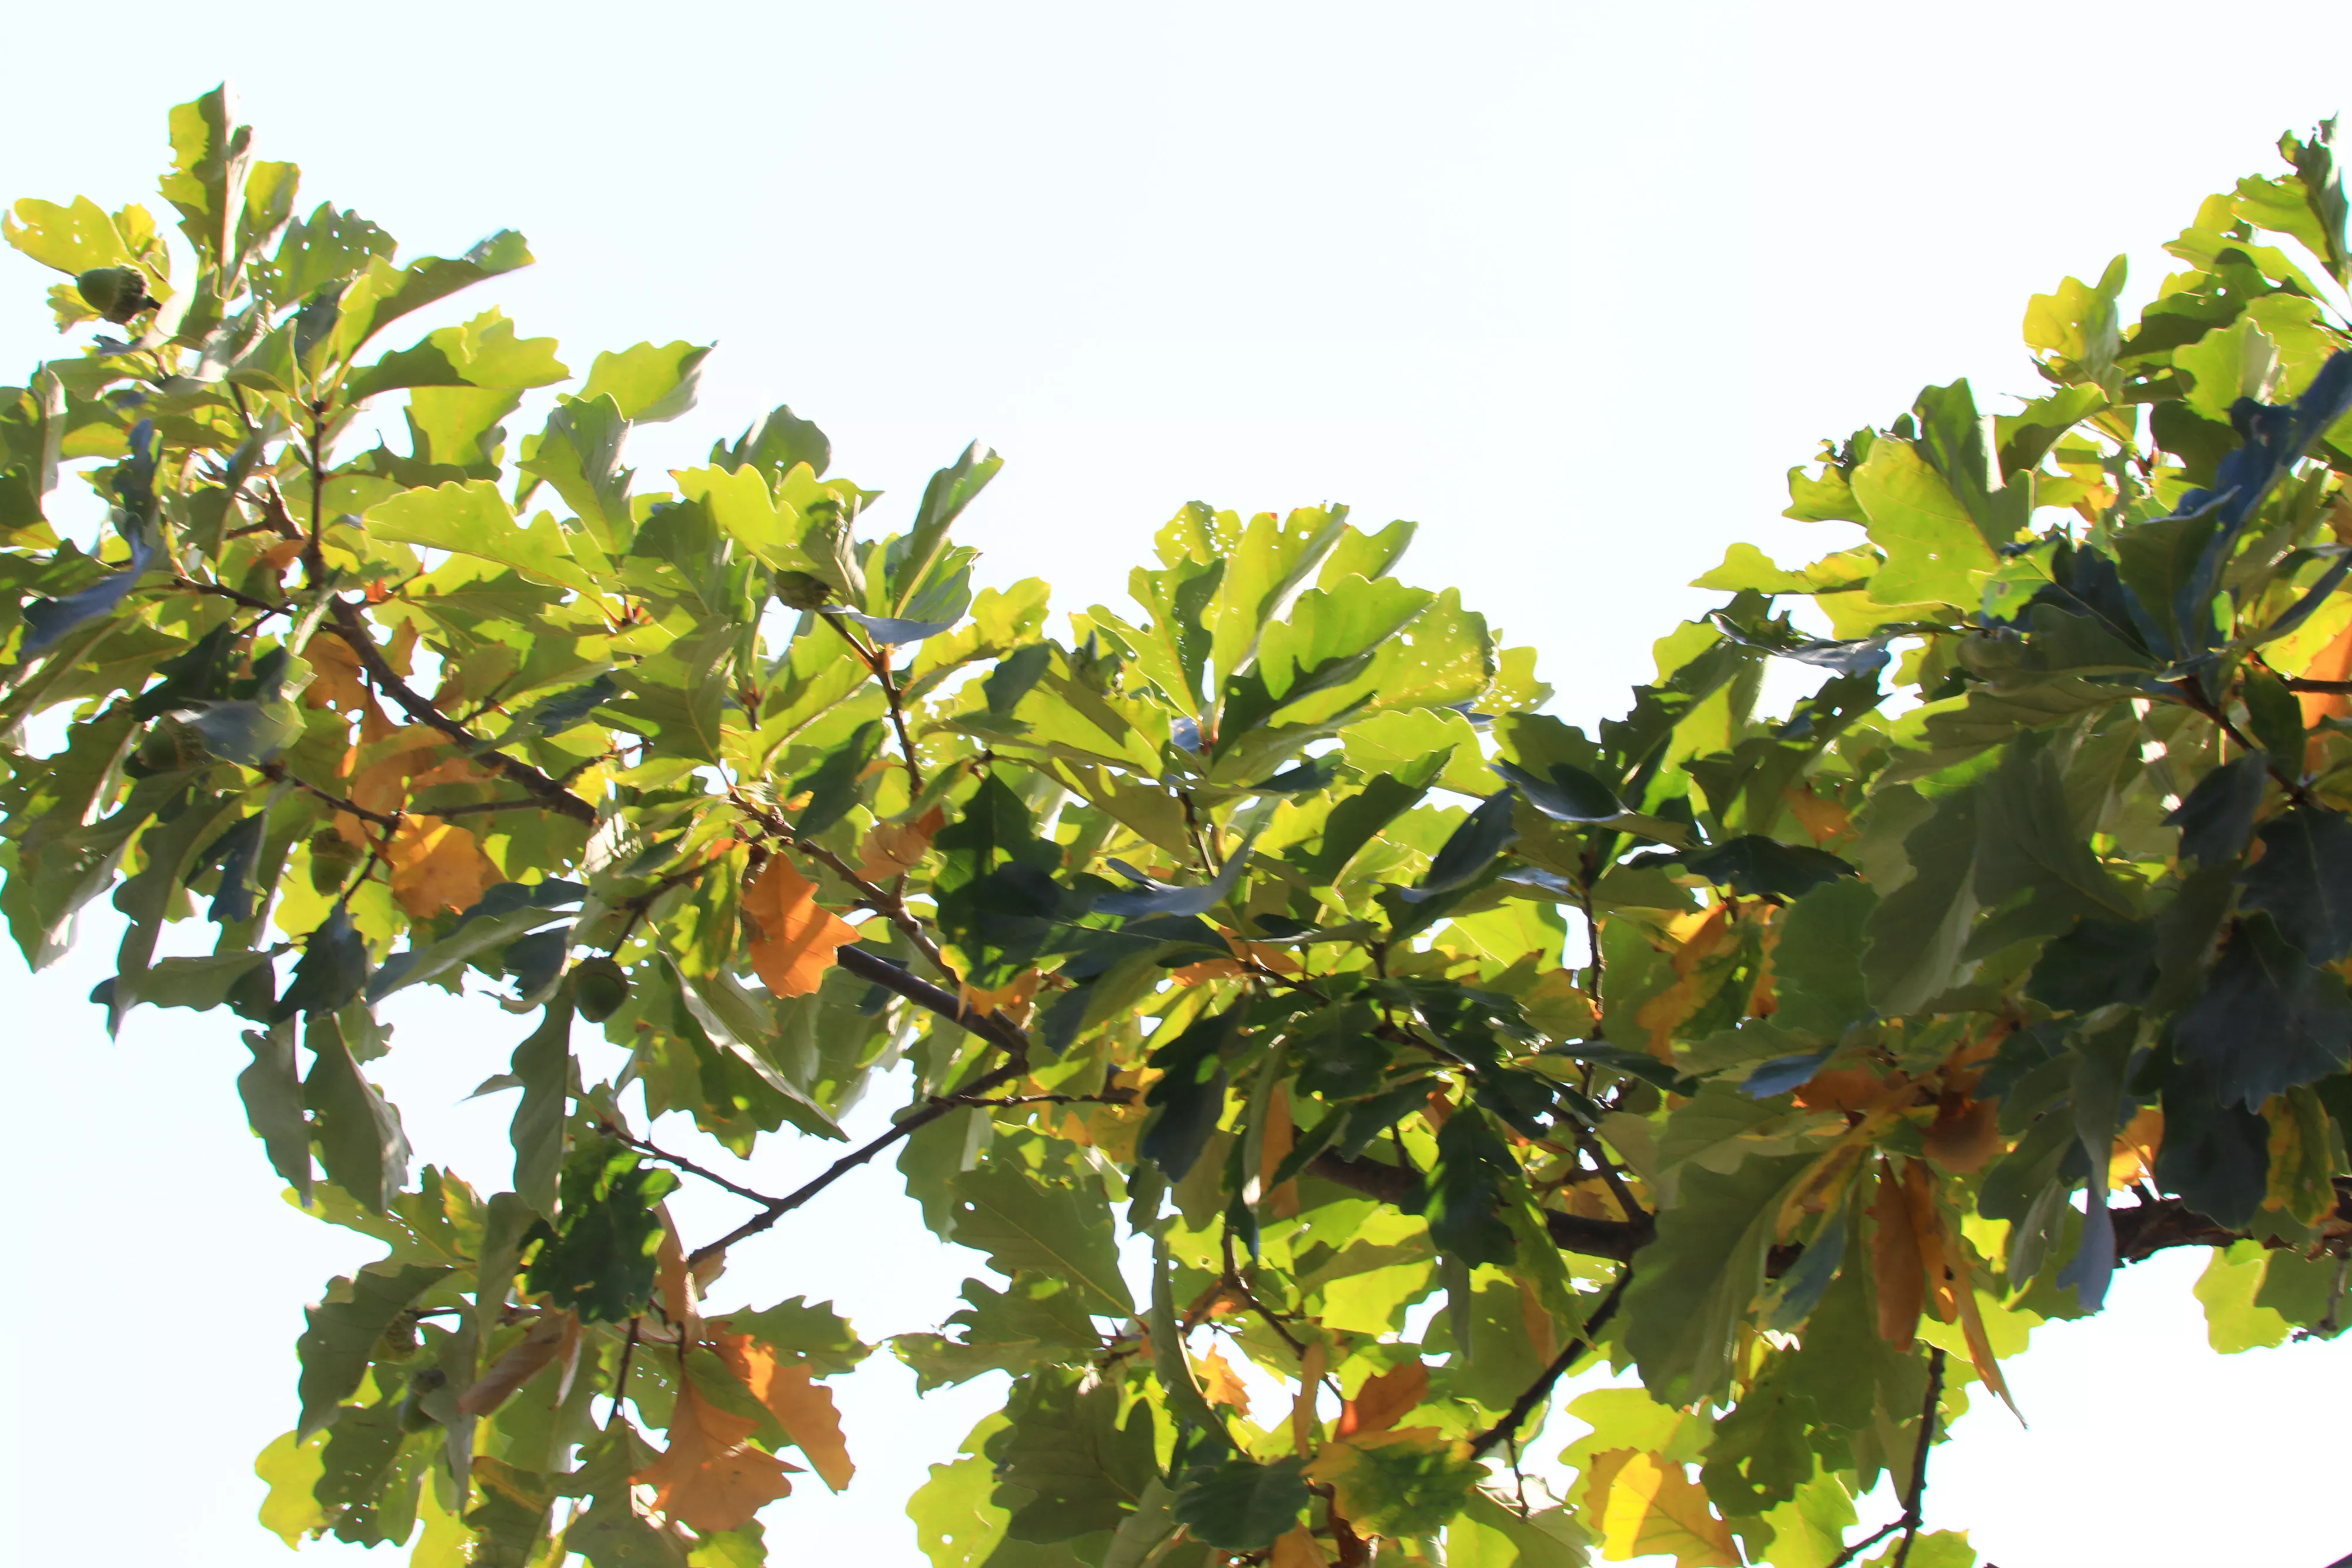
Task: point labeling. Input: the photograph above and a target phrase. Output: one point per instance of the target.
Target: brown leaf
(893, 849)
(522, 1361)
(797, 938)
(802, 1406)
(711, 1478)
(336, 681)
(1965, 1134)
(1957, 1259)
(1281, 1137)
(1382, 1401)
(437, 866)
(1896, 1263)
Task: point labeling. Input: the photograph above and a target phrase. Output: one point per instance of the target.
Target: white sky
(1570, 284)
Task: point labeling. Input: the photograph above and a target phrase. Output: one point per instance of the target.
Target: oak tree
(1258, 961)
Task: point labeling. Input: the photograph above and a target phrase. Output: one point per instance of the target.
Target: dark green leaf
(1239, 1506)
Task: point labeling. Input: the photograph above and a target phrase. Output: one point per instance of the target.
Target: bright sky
(1570, 284)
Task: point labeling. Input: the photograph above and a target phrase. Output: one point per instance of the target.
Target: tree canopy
(1283, 999)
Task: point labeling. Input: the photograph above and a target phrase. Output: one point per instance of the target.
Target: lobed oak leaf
(711, 1478)
(1382, 1401)
(796, 939)
(437, 866)
(336, 681)
(1012, 1002)
(1655, 1508)
(551, 1337)
(894, 849)
(802, 1406)
(1221, 1385)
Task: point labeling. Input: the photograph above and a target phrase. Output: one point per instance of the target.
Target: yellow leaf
(292, 1466)
(1654, 1507)
(1010, 1002)
(381, 782)
(437, 866)
(547, 1339)
(893, 849)
(711, 1478)
(802, 1406)
(1281, 1137)
(796, 941)
(1221, 1385)
(2136, 1148)
(1382, 1401)
(1298, 1549)
(1304, 1427)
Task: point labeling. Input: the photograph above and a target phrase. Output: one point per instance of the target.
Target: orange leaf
(277, 556)
(1896, 1263)
(711, 1478)
(1221, 1385)
(1956, 1257)
(893, 849)
(796, 941)
(336, 681)
(804, 1407)
(1298, 1549)
(1382, 1401)
(547, 1339)
(435, 866)
(1208, 969)
(1654, 1507)
(1821, 820)
(381, 785)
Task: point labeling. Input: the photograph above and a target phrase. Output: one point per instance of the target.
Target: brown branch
(1908, 1523)
(2304, 684)
(1108, 1097)
(881, 900)
(776, 1208)
(1538, 1392)
(352, 627)
(682, 1163)
(1617, 1239)
(222, 591)
(276, 773)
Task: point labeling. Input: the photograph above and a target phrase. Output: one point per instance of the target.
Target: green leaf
(1035, 1320)
(597, 1259)
(1696, 1282)
(1059, 1231)
(1934, 553)
(483, 352)
(1239, 1506)
(818, 1333)
(361, 1144)
(472, 518)
(1064, 1446)
(951, 489)
(272, 1091)
(341, 1331)
(1919, 930)
(542, 1065)
(650, 383)
(2267, 1021)
(2304, 880)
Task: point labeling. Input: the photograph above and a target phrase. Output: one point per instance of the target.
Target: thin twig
(276, 773)
(682, 1163)
(1540, 1390)
(777, 1208)
(621, 1377)
(1910, 1519)
(1108, 1097)
(1590, 1147)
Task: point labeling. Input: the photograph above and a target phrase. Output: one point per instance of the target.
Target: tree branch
(1617, 1239)
(682, 1163)
(1540, 1389)
(1909, 1522)
(352, 627)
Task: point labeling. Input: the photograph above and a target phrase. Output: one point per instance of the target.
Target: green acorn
(599, 987)
(801, 591)
(117, 293)
(334, 858)
(413, 1416)
(170, 745)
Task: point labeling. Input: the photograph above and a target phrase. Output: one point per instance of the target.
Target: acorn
(168, 745)
(117, 293)
(599, 988)
(803, 592)
(412, 1415)
(332, 860)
